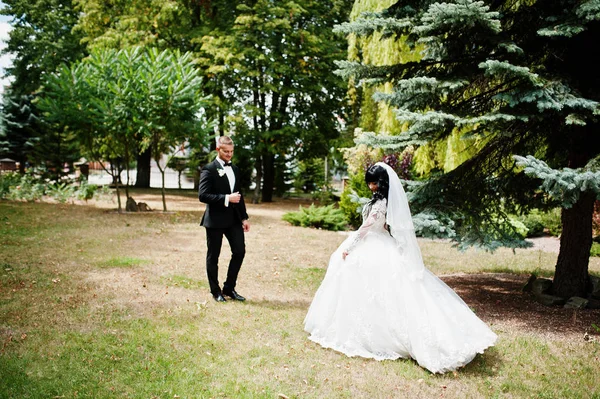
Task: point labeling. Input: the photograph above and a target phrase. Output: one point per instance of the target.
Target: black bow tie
(227, 164)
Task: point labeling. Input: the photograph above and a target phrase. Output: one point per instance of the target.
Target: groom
(225, 215)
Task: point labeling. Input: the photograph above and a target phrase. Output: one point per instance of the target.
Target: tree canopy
(41, 39)
(115, 99)
(272, 72)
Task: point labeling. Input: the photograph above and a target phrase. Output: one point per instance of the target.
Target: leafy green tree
(275, 71)
(114, 100)
(40, 40)
(171, 24)
(520, 77)
(170, 101)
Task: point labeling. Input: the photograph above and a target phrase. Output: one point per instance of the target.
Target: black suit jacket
(212, 191)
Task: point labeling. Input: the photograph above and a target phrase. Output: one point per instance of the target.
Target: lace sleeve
(375, 217)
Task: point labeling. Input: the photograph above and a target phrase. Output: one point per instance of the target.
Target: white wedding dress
(381, 303)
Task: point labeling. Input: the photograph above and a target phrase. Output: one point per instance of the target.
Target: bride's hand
(344, 254)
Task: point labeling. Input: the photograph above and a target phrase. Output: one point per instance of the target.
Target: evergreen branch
(566, 185)
(367, 26)
(393, 143)
(469, 102)
(589, 10)
(461, 15)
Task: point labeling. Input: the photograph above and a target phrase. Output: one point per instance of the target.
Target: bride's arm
(376, 213)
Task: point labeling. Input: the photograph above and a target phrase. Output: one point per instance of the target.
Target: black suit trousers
(214, 241)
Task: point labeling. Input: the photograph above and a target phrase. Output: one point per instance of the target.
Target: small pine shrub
(323, 217)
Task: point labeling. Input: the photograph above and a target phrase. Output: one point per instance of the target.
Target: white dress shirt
(230, 176)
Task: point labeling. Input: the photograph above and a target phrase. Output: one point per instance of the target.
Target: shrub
(538, 223)
(17, 187)
(28, 188)
(534, 224)
(86, 191)
(61, 192)
(595, 250)
(520, 227)
(355, 186)
(8, 180)
(552, 222)
(324, 217)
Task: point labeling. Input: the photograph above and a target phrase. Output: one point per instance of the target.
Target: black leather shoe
(219, 298)
(234, 295)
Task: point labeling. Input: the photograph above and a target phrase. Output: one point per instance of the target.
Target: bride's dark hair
(377, 174)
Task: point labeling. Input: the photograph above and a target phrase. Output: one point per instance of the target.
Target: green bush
(17, 187)
(538, 223)
(86, 191)
(8, 180)
(595, 250)
(61, 192)
(534, 223)
(552, 222)
(355, 185)
(324, 217)
(28, 188)
(520, 227)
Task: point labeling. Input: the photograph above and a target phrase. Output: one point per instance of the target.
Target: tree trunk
(162, 188)
(143, 169)
(571, 274)
(259, 169)
(268, 177)
(197, 179)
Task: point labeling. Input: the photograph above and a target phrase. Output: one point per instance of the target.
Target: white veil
(399, 220)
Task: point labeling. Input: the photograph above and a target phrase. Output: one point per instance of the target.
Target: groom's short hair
(224, 140)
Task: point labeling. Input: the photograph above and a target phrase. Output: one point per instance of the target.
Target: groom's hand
(246, 225)
(235, 198)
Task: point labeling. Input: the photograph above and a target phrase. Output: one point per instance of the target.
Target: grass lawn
(95, 304)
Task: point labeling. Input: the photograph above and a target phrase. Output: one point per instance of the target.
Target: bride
(377, 299)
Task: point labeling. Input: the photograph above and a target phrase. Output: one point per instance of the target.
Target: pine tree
(18, 134)
(521, 79)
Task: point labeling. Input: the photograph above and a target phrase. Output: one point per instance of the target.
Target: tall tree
(19, 125)
(171, 24)
(275, 68)
(40, 40)
(521, 78)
